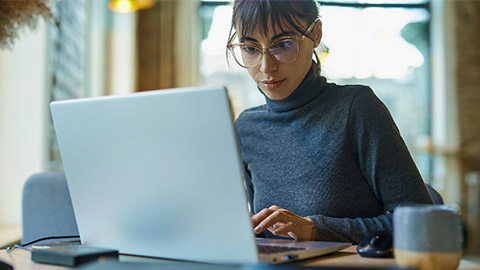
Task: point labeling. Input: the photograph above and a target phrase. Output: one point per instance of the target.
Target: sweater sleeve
(386, 165)
(246, 173)
(248, 186)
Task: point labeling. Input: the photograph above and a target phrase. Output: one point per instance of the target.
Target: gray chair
(436, 197)
(47, 208)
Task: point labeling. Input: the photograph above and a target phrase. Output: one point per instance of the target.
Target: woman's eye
(285, 44)
(249, 49)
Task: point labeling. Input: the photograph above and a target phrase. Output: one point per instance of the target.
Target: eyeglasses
(284, 50)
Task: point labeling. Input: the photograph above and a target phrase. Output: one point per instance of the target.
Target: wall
(456, 107)
(467, 74)
(22, 118)
(121, 65)
(167, 50)
(24, 80)
(187, 56)
(444, 106)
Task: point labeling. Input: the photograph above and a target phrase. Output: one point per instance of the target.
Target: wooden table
(348, 257)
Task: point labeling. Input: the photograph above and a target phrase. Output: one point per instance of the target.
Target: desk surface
(20, 259)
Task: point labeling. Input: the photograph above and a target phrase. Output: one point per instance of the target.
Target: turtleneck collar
(309, 89)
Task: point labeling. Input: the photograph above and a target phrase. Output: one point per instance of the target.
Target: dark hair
(250, 15)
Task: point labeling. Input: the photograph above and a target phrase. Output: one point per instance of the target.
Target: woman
(322, 161)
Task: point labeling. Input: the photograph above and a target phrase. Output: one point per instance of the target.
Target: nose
(268, 63)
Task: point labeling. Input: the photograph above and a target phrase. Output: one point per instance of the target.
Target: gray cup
(426, 237)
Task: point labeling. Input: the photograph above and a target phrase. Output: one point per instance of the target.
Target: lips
(271, 84)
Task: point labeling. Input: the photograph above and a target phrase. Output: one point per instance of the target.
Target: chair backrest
(47, 208)
(436, 197)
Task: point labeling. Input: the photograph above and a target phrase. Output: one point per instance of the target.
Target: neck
(310, 88)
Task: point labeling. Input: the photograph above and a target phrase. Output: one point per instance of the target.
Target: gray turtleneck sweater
(330, 153)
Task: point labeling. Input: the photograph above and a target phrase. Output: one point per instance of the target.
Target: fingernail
(257, 230)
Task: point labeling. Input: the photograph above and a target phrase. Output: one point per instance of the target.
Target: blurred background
(420, 57)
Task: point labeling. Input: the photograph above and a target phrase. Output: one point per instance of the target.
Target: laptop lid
(157, 174)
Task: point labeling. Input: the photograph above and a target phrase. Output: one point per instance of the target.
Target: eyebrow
(277, 36)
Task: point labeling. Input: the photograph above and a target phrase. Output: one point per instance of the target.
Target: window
(383, 45)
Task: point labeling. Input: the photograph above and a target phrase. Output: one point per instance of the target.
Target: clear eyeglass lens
(284, 51)
(248, 55)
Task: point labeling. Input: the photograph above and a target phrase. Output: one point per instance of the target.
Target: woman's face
(278, 80)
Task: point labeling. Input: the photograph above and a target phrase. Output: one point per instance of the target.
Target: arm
(386, 165)
(248, 186)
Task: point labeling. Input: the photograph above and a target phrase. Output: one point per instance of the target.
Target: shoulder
(250, 114)
(357, 97)
(246, 122)
(351, 97)
(368, 114)
(366, 104)
(362, 106)
(348, 93)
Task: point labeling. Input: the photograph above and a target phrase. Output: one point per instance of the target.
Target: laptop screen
(157, 174)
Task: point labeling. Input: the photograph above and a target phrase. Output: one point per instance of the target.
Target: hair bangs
(272, 15)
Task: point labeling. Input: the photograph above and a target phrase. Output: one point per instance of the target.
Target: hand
(284, 223)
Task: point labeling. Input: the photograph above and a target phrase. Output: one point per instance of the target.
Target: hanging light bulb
(125, 6)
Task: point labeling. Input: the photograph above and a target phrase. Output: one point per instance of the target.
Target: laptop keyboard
(275, 249)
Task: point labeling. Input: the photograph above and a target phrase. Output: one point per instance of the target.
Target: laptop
(159, 174)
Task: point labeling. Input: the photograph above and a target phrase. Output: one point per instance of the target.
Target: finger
(275, 226)
(293, 235)
(297, 231)
(291, 230)
(270, 220)
(263, 214)
(260, 216)
(284, 230)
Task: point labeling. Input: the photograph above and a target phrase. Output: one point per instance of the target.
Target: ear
(317, 30)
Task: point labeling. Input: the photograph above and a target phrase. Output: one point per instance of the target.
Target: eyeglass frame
(262, 50)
